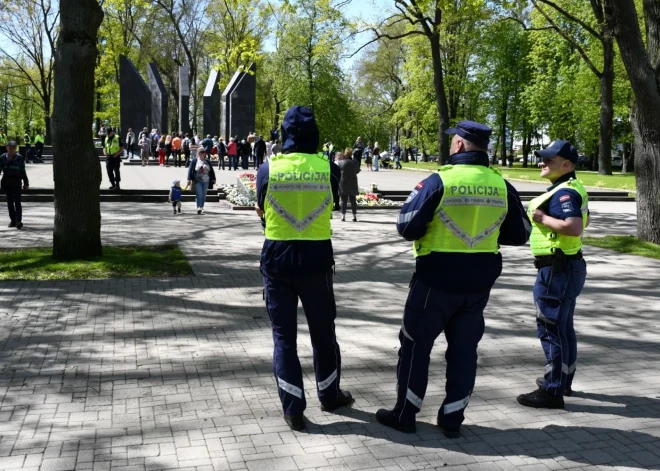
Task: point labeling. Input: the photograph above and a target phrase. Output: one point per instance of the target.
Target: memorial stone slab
(184, 101)
(134, 98)
(239, 103)
(212, 105)
(159, 107)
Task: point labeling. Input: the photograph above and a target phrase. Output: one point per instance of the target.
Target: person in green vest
(27, 141)
(3, 141)
(113, 150)
(295, 194)
(456, 219)
(559, 218)
(39, 145)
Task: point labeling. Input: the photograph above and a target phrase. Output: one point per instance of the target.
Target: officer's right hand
(260, 213)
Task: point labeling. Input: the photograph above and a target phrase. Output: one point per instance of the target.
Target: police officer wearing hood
(295, 193)
(457, 220)
(559, 218)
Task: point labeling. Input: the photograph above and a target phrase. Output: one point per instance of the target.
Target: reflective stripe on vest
(470, 213)
(543, 241)
(112, 145)
(299, 198)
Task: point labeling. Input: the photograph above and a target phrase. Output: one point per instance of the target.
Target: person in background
(269, 149)
(27, 140)
(130, 142)
(186, 144)
(367, 154)
(161, 150)
(177, 143)
(376, 153)
(145, 144)
(207, 144)
(396, 152)
(114, 149)
(232, 152)
(358, 150)
(246, 151)
(259, 151)
(39, 145)
(155, 137)
(196, 139)
(102, 134)
(12, 168)
(201, 174)
(168, 150)
(175, 196)
(277, 148)
(222, 152)
(348, 185)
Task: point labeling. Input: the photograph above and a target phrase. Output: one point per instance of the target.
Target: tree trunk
(440, 99)
(644, 73)
(77, 177)
(606, 109)
(624, 160)
(47, 135)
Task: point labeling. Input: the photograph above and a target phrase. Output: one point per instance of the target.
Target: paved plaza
(155, 177)
(176, 373)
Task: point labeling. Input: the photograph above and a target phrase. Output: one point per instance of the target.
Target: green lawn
(617, 181)
(625, 244)
(116, 262)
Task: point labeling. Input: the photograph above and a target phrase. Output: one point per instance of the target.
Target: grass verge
(116, 262)
(625, 244)
(618, 181)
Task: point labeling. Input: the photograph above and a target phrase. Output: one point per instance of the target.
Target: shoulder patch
(564, 198)
(419, 186)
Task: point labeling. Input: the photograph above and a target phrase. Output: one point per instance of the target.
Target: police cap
(558, 148)
(11, 143)
(473, 132)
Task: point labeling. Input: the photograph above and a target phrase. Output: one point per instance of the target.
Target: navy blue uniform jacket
(565, 203)
(296, 257)
(460, 273)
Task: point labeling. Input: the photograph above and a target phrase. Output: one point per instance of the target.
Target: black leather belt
(548, 260)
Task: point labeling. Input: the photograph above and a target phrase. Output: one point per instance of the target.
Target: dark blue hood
(299, 131)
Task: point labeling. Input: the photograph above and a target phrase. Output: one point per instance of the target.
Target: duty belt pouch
(559, 261)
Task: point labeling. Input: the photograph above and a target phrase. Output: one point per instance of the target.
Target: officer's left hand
(538, 216)
(260, 213)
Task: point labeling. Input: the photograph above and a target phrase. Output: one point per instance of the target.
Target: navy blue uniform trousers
(427, 314)
(555, 295)
(318, 300)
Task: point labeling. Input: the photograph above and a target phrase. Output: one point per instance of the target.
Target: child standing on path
(175, 196)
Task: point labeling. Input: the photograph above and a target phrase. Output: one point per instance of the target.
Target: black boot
(541, 400)
(449, 432)
(295, 422)
(344, 398)
(386, 417)
(567, 391)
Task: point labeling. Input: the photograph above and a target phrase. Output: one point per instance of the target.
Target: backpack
(186, 145)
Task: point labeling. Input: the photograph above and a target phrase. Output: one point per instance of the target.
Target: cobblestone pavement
(147, 374)
(154, 177)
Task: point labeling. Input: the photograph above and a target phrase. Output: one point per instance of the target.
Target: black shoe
(344, 398)
(295, 422)
(117, 188)
(12, 224)
(541, 400)
(449, 432)
(343, 217)
(175, 211)
(179, 210)
(199, 211)
(567, 391)
(19, 225)
(112, 187)
(354, 218)
(386, 417)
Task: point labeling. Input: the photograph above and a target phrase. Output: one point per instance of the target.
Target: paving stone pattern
(175, 373)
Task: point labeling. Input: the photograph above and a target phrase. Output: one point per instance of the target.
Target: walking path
(147, 374)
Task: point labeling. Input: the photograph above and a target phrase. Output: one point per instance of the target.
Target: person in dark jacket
(297, 261)
(202, 176)
(358, 151)
(457, 219)
(14, 176)
(259, 151)
(348, 185)
(222, 152)
(207, 143)
(246, 152)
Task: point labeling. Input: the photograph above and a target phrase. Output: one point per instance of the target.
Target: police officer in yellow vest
(3, 142)
(295, 192)
(457, 220)
(113, 150)
(559, 218)
(39, 145)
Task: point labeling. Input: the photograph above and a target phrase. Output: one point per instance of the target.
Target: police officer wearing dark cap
(295, 194)
(559, 218)
(457, 219)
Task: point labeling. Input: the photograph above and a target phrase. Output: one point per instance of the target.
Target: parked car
(583, 161)
(617, 161)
